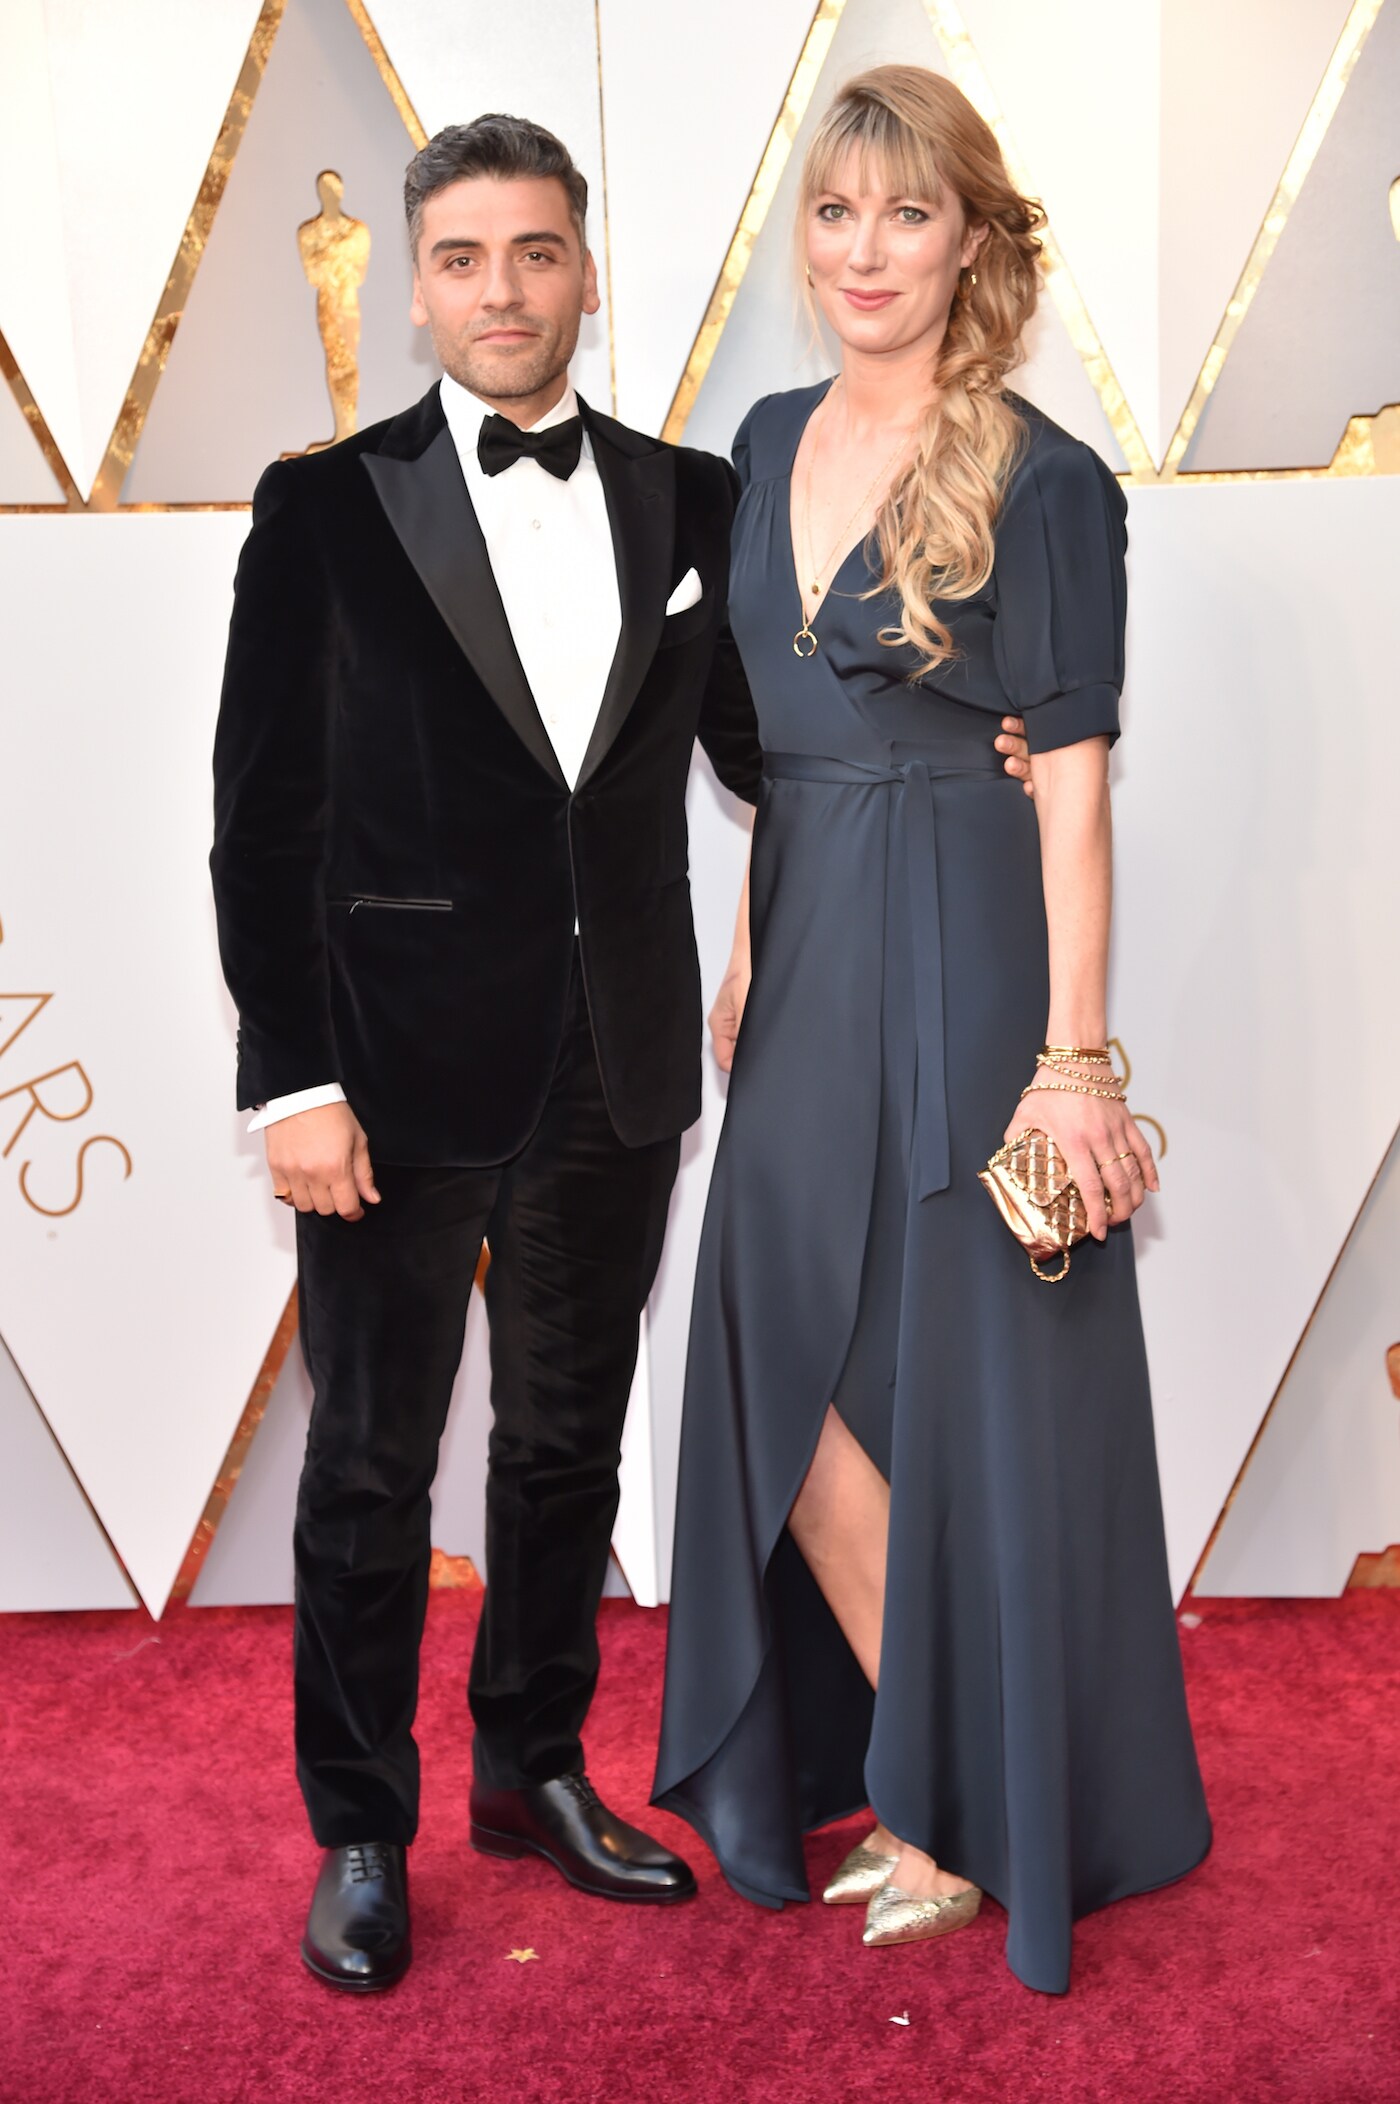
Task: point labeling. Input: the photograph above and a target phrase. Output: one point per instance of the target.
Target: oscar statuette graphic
(335, 258)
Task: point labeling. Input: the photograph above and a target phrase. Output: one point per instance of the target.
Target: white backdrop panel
(141, 1317)
(1078, 88)
(1237, 77)
(1323, 1486)
(52, 1553)
(1256, 895)
(34, 292)
(108, 116)
(680, 167)
(24, 473)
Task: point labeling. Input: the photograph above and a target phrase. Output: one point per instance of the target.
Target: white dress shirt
(551, 552)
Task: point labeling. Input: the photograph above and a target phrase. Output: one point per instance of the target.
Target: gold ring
(1126, 1156)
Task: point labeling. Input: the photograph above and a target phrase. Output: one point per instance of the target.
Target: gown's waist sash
(914, 780)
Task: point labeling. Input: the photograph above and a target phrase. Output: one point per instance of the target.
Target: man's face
(502, 284)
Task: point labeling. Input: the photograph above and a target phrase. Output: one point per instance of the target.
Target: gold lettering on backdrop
(36, 1101)
(52, 1096)
(7, 1001)
(1371, 444)
(335, 257)
(60, 1212)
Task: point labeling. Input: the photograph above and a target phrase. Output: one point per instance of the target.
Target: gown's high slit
(1030, 1729)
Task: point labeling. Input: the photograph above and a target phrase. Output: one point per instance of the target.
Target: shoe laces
(580, 1787)
(368, 1862)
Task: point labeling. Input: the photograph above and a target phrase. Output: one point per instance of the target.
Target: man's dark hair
(503, 147)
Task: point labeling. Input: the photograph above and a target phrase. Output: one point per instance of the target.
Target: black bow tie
(502, 443)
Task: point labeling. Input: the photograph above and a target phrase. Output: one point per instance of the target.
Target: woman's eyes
(906, 215)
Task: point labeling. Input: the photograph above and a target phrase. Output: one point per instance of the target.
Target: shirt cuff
(1069, 718)
(278, 1107)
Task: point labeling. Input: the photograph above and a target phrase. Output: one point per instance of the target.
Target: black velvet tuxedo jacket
(398, 859)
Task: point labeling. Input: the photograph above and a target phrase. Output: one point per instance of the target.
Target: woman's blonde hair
(918, 136)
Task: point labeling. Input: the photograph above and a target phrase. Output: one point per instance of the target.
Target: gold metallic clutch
(1031, 1187)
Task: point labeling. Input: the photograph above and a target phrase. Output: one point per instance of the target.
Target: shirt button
(534, 525)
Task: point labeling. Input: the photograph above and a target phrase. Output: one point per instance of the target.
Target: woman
(919, 1560)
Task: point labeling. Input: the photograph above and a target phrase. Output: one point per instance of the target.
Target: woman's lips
(868, 302)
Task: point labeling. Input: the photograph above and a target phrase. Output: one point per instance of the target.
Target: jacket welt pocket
(366, 898)
(683, 627)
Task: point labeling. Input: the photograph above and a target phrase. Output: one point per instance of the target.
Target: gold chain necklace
(804, 634)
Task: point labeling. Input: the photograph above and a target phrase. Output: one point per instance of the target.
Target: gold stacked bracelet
(1066, 1061)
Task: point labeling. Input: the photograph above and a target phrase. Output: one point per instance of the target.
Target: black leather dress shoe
(568, 1824)
(357, 1930)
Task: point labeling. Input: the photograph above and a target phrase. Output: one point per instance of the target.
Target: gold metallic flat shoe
(896, 1917)
(862, 1874)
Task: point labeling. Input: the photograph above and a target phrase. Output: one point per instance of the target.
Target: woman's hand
(1012, 743)
(728, 1011)
(1107, 1155)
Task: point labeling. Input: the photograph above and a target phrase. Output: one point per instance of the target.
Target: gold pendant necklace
(804, 643)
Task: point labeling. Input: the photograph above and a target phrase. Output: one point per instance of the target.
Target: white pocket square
(689, 592)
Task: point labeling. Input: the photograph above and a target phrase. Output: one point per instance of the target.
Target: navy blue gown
(1030, 1729)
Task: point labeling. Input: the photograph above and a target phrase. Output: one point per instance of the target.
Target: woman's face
(885, 266)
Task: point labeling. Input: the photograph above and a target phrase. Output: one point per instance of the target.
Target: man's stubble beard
(505, 377)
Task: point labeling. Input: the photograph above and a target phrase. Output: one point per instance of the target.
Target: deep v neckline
(856, 547)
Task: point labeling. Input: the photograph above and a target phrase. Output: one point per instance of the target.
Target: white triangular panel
(1323, 1484)
(677, 179)
(1059, 72)
(108, 116)
(1255, 905)
(52, 1551)
(35, 313)
(1238, 77)
(141, 1314)
(25, 476)
(1318, 342)
(767, 345)
(536, 58)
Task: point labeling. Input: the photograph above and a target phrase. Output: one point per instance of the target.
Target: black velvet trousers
(575, 1225)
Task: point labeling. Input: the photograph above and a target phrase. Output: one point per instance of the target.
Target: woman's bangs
(893, 160)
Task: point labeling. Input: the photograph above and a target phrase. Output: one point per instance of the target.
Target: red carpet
(156, 1870)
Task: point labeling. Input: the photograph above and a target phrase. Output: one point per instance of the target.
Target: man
(470, 652)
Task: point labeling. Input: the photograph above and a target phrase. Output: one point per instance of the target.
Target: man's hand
(1012, 742)
(320, 1162)
(728, 1011)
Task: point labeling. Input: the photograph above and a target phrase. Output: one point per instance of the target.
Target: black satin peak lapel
(427, 505)
(641, 495)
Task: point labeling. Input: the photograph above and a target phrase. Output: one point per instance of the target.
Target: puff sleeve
(741, 452)
(1062, 596)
